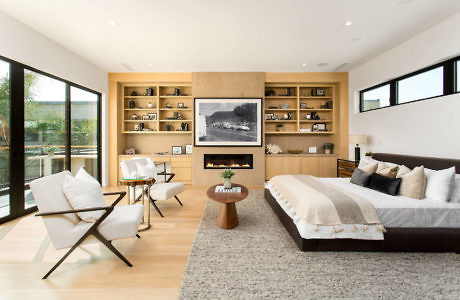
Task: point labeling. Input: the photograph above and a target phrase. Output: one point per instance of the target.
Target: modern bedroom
(230, 150)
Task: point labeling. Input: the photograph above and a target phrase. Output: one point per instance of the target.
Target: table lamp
(357, 139)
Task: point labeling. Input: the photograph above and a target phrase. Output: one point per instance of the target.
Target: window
(375, 98)
(4, 139)
(424, 85)
(437, 80)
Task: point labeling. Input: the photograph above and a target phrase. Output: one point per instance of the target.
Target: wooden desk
(228, 217)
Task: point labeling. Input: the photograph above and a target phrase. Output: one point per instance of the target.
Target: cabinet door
(273, 166)
(310, 166)
(292, 165)
(327, 167)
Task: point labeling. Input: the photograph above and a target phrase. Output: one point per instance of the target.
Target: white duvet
(393, 211)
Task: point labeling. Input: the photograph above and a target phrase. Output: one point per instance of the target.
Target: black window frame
(449, 84)
(17, 175)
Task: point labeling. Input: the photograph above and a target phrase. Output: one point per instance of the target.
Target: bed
(411, 225)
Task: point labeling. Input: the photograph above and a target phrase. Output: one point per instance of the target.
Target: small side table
(345, 167)
(131, 184)
(228, 218)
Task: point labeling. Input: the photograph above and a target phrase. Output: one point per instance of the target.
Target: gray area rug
(259, 259)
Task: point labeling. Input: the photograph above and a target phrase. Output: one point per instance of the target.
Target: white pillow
(146, 170)
(455, 198)
(85, 176)
(84, 194)
(368, 160)
(439, 184)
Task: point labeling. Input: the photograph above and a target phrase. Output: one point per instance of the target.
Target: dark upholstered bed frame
(396, 239)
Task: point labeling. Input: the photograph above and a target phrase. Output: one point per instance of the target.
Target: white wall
(430, 127)
(21, 43)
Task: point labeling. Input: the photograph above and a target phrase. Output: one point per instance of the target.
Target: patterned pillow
(386, 170)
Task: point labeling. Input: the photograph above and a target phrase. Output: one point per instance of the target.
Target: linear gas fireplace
(226, 161)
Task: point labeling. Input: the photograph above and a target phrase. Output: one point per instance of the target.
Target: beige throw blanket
(321, 204)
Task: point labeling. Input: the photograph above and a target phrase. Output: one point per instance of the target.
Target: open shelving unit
(162, 108)
(287, 99)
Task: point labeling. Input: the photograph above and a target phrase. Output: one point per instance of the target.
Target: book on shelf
(234, 189)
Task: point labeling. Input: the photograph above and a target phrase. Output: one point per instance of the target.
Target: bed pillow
(360, 177)
(387, 170)
(369, 160)
(413, 183)
(385, 184)
(439, 184)
(455, 198)
(402, 170)
(84, 194)
(368, 167)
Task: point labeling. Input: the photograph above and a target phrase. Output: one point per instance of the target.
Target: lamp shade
(357, 139)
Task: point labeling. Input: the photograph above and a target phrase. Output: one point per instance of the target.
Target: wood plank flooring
(92, 271)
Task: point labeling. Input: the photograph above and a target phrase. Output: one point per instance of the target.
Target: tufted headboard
(414, 161)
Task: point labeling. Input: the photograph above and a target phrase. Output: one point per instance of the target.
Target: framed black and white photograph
(145, 117)
(152, 116)
(268, 116)
(228, 122)
(176, 150)
(188, 149)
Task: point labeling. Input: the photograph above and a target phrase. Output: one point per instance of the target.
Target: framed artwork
(176, 150)
(152, 116)
(268, 116)
(188, 149)
(228, 122)
(303, 105)
(145, 117)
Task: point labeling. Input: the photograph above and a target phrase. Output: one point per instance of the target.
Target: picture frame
(145, 117)
(303, 105)
(188, 149)
(319, 92)
(176, 150)
(275, 117)
(321, 126)
(228, 122)
(152, 116)
(268, 116)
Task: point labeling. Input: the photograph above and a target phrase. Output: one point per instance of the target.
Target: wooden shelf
(156, 132)
(298, 132)
(140, 121)
(170, 109)
(175, 120)
(315, 109)
(131, 109)
(169, 97)
(315, 97)
(141, 97)
(280, 121)
(315, 121)
(281, 97)
(280, 109)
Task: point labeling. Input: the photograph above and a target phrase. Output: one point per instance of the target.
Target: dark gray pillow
(384, 184)
(360, 177)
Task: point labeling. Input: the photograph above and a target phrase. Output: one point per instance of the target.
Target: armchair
(66, 229)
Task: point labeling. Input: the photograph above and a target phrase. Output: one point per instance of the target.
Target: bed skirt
(395, 239)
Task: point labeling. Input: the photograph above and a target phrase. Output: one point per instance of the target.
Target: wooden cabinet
(345, 168)
(181, 165)
(320, 166)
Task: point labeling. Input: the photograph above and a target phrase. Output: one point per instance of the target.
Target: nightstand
(345, 167)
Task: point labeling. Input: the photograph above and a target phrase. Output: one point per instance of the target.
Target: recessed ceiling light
(114, 23)
(323, 64)
(304, 65)
(348, 23)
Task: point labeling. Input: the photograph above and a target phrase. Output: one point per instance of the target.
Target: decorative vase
(227, 183)
(327, 151)
(132, 104)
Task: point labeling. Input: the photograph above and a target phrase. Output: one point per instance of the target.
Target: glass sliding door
(44, 128)
(84, 131)
(5, 208)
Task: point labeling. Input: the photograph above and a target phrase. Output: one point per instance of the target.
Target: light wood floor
(93, 272)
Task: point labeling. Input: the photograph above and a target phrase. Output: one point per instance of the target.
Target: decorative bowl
(294, 151)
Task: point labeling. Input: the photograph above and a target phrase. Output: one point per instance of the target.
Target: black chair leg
(156, 207)
(138, 236)
(62, 259)
(109, 245)
(178, 200)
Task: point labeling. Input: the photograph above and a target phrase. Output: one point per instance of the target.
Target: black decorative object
(176, 91)
(141, 126)
(133, 93)
(269, 93)
(132, 104)
(289, 91)
(150, 91)
(168, 127)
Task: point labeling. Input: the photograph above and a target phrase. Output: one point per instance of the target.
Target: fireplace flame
(231, 165)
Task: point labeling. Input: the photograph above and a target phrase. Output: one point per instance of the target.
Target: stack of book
(221, 189)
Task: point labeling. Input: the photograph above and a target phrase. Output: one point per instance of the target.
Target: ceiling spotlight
(304, 65)
(114, 23)
(348, 23)
(323, 64)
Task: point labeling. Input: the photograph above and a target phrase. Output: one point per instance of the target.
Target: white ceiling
(232, 35)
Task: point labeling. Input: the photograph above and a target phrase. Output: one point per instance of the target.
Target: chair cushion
(164, 191)
(123, 222)
(146, 170)
(84, 194)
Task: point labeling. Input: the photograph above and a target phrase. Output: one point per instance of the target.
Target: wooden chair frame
(91, 231)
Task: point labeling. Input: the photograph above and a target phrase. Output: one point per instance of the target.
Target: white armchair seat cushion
(122, 222)
(164, 191)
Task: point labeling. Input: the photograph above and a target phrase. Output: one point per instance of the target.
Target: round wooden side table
(145, 183)
(228, 217)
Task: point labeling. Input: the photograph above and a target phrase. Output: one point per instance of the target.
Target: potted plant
(279, 127)
(328, 147)
(369, 154)
(50, 150)
(227, 174)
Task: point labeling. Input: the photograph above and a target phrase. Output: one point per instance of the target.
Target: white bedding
(393, 211)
